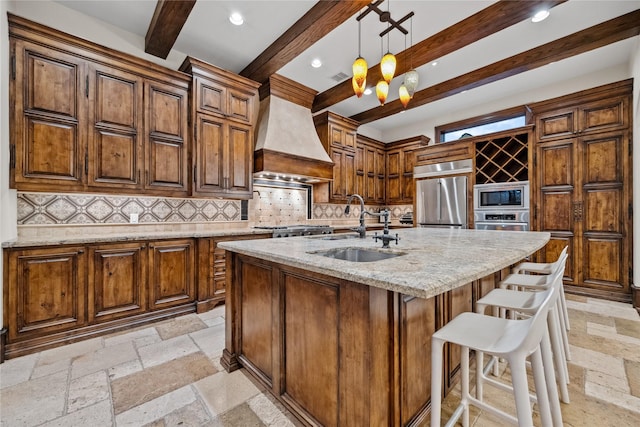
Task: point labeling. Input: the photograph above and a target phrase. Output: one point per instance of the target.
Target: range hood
(286, 140)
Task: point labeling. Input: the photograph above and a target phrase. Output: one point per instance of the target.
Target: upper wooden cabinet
(370, 167)
(338, 136)
(599, 112)
(224, 106)
(400, 160)
(87, 118)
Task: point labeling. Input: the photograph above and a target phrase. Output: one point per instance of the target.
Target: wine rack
(503, 158)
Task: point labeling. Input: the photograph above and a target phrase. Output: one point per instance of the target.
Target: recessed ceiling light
(434, 63)
(540, 16)
(236, 18)
(316, 63)
(368, 91)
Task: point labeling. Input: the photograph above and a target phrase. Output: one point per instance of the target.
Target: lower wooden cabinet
(171, 273)
(116, 281)
(57, 295)
(44, 291)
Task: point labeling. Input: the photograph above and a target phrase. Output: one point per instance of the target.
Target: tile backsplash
(87, 209)
(270, 206)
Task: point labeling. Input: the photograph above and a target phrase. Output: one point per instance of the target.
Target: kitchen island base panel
(336, 352)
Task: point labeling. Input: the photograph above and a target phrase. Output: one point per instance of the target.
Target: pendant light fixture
(360, 68)
(411, 77)
(382, 90)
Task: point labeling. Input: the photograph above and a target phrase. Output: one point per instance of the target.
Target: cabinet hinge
(195, 170)
(86, 86)
(630, 275)
(86, 164)
(13, 67)
(535, 214)
(630, 211)
(12, 157)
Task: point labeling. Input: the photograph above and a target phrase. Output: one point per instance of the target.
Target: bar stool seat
(513, 340)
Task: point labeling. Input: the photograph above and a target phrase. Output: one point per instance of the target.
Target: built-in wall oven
(501, 206)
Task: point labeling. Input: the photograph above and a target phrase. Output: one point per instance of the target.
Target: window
(483, 125)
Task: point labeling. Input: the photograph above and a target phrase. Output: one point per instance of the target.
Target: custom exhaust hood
(286, 140)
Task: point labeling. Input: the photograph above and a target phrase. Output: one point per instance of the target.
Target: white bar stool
(546, 268)
(529, 303)
(513, 340)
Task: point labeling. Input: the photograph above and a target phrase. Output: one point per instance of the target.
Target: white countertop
(434, 261)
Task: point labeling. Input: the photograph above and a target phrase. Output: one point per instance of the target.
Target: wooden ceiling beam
(488, 21)
(600, 35)
(165, 26)
(319, 21)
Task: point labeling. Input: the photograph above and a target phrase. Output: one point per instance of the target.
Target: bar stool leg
(464, 372)
(565, 312)
(521, 390)
(563, 330)
(550, 375)
(479, 375)
(541, 388)
(558, 355)
(436, 381)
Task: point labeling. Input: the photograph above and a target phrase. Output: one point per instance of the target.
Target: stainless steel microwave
(501, 196)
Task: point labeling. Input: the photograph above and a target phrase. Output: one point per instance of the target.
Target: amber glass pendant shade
(404, 96)
(360, 68)
(388, 67)
(382, 90)
(358, 90)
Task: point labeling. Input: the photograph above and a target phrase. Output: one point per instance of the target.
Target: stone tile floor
(168, 374)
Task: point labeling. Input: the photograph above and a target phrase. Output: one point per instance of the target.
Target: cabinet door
(380, 176)
(562, 123)
(371, 179)
(604, 115)
(360, 171)
(558, 201)
(117, 280)
(210, 97)
(115, 145)
(239, 165)
(605, 212)
(337, 185)
(166, 138)
(394, 177)
(209, 154)
(49, 108)
(408, 161)
(241, 105)
(47, 291)
(171, 273)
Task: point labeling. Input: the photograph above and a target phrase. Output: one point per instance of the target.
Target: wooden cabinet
(87, 118)
(400, 160)
(225, 109)
(44, 291)
(171, 273)
(211, 270)
(166, 150)
(583, 177)
(55, 295)
(370, 169)
(116, 281)
(338, 136)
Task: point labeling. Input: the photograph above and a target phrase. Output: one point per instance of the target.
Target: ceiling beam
(319, 21)
(600, 35)
(165, 26)
(488, 21)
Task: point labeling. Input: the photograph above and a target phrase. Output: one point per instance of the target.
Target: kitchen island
(348, 343)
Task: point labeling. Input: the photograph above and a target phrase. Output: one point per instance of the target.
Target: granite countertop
(96, 236)
(433, 261)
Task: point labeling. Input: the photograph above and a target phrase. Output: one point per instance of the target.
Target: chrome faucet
(361, 229)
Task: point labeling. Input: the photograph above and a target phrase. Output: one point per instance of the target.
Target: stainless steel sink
(358, 254)
(335, 237)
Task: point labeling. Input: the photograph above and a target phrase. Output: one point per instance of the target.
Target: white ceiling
(210, 36)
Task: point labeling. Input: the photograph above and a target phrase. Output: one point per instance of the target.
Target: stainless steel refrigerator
(442, 202)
